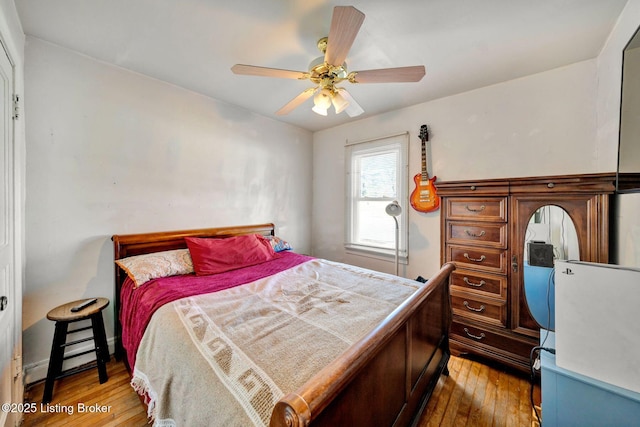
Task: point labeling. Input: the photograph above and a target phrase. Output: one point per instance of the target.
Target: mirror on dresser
(550, 235)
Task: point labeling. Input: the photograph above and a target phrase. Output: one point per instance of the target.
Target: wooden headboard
(138, 244)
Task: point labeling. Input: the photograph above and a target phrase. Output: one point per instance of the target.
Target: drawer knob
(476, 337)
(482, 258)
(478, 209)
(470, 283)
(472, 234)
(478, 310)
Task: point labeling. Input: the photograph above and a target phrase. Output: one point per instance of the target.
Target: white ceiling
(464, 44)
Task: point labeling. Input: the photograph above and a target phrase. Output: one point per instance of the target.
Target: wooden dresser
(483, 227)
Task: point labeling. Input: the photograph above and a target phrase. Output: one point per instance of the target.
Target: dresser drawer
(486, 259)
(477, 209)
(480, 283)
(477, 233)
(491, 340)
(484, 310)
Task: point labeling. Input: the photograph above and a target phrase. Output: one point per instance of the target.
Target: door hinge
(16, 106)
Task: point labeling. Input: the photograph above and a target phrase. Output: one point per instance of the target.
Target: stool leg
(55, 360)
(102, 348)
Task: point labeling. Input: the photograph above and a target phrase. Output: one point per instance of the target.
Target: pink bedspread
(138, 305)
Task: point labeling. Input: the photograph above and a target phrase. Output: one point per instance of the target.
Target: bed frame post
(294, 411)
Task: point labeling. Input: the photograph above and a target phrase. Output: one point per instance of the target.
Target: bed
(303, 341)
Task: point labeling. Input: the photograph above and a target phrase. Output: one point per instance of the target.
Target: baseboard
(37, 371)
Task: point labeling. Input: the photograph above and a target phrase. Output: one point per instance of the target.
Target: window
(376, 175)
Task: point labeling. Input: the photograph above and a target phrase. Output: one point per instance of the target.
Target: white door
(7, 242)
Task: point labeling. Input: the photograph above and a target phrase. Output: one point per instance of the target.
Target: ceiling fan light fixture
(339, 102)
(319, 110)
(352, 109)
(322, 99)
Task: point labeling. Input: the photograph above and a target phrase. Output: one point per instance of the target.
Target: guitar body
(424, 197)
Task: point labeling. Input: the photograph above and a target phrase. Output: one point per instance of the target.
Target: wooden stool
(63, 316)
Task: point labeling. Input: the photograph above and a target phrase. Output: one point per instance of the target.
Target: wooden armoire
(483, 227)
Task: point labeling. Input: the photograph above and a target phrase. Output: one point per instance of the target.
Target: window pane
(374, 226)
(378, 174)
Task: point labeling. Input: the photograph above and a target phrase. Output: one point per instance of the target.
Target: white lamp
(393, 209)
(339, 102)
(322, 102)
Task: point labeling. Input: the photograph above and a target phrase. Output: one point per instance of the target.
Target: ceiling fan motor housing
(325, 74)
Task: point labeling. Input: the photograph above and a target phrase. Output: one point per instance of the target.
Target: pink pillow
(212, 256)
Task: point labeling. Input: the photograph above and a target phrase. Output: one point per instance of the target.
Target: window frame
(399, 143)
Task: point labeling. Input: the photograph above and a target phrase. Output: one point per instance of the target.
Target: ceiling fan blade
(252, 70)
(295, 102)
(391, 75)
(353, 109)
(345, 24)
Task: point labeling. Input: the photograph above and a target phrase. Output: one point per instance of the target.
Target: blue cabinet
(570, 399)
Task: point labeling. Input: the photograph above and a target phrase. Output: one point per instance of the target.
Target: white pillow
(142, 268)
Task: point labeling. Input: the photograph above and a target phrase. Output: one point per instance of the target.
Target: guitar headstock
(424, 133)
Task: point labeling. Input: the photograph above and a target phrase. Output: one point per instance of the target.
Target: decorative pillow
(278, 244)
(142, 268)
(212, 256)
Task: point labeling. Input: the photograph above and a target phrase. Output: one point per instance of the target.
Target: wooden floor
(473, 394)
(121, 404)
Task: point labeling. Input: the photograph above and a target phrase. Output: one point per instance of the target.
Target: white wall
(626, 248)
(113, 152)
(543, 124)
(627, 225)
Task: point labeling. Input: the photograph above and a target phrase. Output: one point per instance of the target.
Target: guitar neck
(425, 174)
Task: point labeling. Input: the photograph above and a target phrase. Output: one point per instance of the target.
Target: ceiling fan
(329, 70)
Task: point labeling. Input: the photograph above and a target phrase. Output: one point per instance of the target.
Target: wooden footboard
(386, 378)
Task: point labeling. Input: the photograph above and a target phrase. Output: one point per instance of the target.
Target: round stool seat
(63, 312)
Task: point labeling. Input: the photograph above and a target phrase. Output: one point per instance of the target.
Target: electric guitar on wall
(424, 197)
